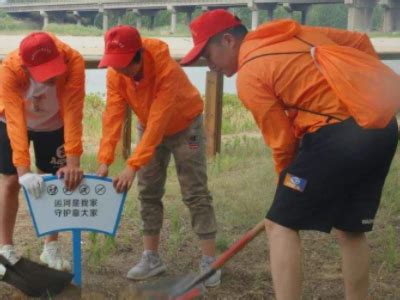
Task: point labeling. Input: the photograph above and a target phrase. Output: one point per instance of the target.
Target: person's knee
(274, 230)
(10, 183)
(346, 238)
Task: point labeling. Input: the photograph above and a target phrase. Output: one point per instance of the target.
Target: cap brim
(48, 70)
(116, 60)
(193, 54)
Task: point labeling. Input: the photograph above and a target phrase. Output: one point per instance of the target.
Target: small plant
(223, 242)
(392, 257)
(176, 234)
(100, 247)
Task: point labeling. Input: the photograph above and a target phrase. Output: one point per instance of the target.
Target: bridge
(359, 11)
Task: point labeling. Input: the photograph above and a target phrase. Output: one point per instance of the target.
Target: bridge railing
(12, 2)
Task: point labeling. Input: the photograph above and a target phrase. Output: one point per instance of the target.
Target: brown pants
(188, 149)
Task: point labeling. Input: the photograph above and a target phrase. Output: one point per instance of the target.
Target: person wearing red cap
(143, 75)
(41, 100)
(331, 169)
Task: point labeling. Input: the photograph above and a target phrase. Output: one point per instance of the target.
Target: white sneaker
(8, 251)
(150, 265)
(52, 257)
(205, 265)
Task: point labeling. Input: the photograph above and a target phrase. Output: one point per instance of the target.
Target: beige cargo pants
(188, 149)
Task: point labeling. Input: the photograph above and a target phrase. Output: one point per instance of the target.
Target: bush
(72, 29)
(8, 24)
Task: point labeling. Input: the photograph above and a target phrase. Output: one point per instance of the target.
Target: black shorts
(48, 147)
(336, 178)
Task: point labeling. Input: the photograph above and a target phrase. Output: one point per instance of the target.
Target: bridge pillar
(360, 14)
(303, 8)
(45, 16)
(120, 14)
(151, 13)
(254, 18)
(138, 18)
(254, 14)
(269, 7)
(189, 16)
(78, 17)
(105, 20)
(289, 9)
(391, 15)
(152, 22)
(174, 14)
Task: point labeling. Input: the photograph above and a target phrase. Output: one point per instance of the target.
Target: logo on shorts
(294, 182)
(60, 159)
(367, 221)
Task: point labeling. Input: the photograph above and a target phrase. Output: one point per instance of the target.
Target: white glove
(33, 183)
(2, 271)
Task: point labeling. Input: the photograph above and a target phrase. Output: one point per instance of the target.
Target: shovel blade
(33, 279)
(170, 289)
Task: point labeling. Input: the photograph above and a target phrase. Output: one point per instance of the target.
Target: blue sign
(93, 206)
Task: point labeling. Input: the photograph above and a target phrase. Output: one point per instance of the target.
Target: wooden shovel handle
(238, 245)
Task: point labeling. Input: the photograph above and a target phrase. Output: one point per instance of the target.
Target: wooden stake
(127, 133)
(213, 112)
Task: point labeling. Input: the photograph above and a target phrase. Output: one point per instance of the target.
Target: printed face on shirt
(222, 55)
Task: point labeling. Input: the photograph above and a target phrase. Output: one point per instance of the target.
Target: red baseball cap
(205, 27)
(121, 44)
(41, 57)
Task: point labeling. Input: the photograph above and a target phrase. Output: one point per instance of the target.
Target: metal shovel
(189, 287)
(33, 279)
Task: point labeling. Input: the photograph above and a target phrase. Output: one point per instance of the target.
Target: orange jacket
(286, 93)
(164, 101)
(14, 81)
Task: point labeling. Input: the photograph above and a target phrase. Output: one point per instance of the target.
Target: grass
(181, 31)
(236, 120)
(72, 29)
(242, 182)
(395, 34)
(9, 25)
(231, 196)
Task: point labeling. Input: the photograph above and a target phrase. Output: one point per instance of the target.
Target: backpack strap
(329, 117)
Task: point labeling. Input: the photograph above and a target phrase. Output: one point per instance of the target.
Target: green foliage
(391, 253)
(100, 247)
(9, 24)
(332, 15)
(236, 118)
(329, 15)
(377, 18)
(176, 233)
(73, 29)
(223, 243)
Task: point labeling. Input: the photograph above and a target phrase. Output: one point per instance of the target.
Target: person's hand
(33, 183)
(123, 181)
(102, 170)
(72, 176)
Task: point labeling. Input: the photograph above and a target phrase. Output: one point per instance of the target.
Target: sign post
(93, 206)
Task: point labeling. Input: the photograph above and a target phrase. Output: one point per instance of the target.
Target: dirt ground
(246, 276)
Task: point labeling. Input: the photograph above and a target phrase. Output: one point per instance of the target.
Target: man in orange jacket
(169, 109)
(331, 170)
(41, 100)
